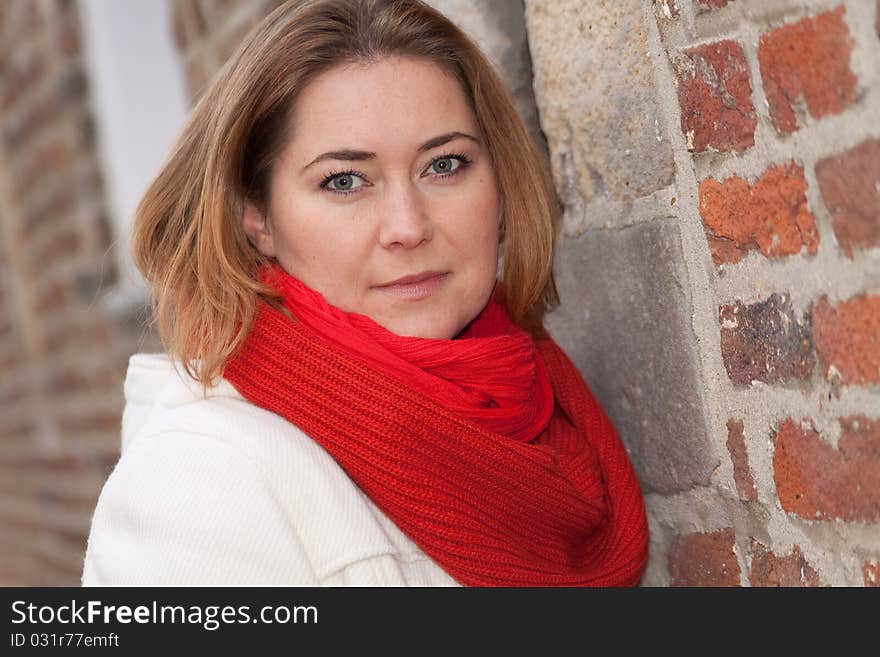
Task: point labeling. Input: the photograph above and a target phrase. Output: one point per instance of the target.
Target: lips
(415, 286)
(413, 278)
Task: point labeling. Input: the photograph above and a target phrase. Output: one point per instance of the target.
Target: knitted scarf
(489, 451)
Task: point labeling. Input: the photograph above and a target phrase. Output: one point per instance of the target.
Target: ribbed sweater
(218, 491)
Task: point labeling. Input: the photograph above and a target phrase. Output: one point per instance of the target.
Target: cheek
(315, 233)
(478, 246)
(477, 214)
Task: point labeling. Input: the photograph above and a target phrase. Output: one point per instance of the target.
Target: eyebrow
(353, 155)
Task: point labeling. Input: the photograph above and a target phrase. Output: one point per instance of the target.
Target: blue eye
(443, 165)
(345, 182)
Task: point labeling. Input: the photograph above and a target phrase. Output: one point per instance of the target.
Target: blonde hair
(188, 240)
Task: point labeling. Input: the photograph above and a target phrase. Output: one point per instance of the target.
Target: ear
(256, 227)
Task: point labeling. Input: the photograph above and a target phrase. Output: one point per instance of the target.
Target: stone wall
(720, 165)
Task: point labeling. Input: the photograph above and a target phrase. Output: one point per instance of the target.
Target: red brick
(770, 215)
(71, 381)
(764, 341)
(715, 98)
(61, 246)
(768, 569)
(817, 482)
(850, 186)
(54, 298)
(9, 364)
(24, 429)
(67, 38)
(871, 569)
(27, 126)
(56, 207)
(91, 422)
(703, 560)
(847, 338)
(6, 328)
(48, 464)
(88, 337)
(742, 475)
(51, 158)
(807, 61)
(712, 4)
(23, 75)
(13, 397)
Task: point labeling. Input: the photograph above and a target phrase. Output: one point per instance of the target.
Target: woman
(353, 393)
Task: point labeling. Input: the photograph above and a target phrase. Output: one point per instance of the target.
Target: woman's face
(386, 177)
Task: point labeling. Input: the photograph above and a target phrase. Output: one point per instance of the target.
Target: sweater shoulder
(235, 472)
(189, 509)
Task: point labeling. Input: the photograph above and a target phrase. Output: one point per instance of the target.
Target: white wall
(140, 104)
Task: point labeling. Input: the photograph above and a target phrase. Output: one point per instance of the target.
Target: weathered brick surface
(704, 560)
(770, 215)
(742, 475)
(715, 98)
(53, 212)
(766, 342)
(807, 62)
(850, 185)
(871, 569)
(712, 4)
(73, 380)
(666, 8)
(54, 298)
(91, 422)
(22, 72)
(53, 156)
(82, 337)
(818, 482)
(847, 338)
(768, 569)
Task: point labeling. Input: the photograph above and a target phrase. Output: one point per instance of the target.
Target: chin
(438, 330)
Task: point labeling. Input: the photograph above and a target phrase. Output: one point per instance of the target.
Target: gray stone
(596, 99)
(624, 320)
(498, 28)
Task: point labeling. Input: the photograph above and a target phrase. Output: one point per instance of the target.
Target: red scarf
(488, 451)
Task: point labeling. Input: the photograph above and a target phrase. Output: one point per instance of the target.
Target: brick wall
(62, 358)
(747, 275)
(791, 213)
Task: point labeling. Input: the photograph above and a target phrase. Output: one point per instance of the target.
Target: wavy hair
(188, 240)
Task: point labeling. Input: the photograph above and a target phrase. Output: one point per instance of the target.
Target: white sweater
(218, 491)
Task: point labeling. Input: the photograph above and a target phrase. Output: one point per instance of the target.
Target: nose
(405, 222)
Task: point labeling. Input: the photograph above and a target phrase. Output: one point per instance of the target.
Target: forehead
(394, 101)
